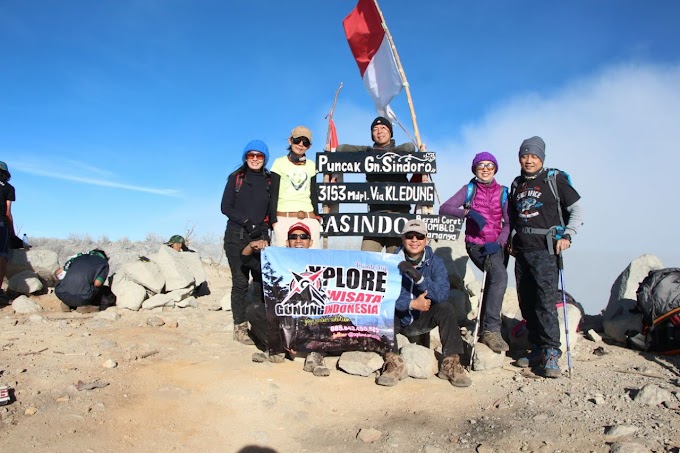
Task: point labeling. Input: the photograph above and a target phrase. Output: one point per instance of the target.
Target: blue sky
(123, 118)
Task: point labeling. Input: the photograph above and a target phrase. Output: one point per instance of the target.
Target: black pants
(441, 315)
(256, 314)
(235, 239)
(494, 288)
(537, 277)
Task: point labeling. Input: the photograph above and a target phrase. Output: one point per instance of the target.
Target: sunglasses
(304, 140)
(488, 166)
(411, 235)
(293, 237)
(255, 156)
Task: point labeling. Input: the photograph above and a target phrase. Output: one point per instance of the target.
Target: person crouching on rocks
(299, 236)
(422, 306)
(483, 202)
(247, 203)
(81, 282)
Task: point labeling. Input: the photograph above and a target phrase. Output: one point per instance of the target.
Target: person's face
(485, 171)
(530, 163)
(255, 160)
(299, 239)
(414, 243)
(381, 134)
(176, 246)
(299, 145)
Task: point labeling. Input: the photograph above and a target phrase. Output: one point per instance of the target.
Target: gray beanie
(534, 145)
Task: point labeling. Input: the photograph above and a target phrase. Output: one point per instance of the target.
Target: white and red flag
(332, 136)
(372, 51)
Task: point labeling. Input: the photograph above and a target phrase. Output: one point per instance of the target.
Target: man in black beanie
(545, 213)
(381, 134)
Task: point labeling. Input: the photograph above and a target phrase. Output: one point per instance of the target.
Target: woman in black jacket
(248, 205)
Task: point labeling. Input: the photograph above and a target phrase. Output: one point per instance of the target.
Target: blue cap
(259, 146)
(3, 166)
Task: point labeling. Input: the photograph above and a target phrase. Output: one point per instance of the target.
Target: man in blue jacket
(422, 306)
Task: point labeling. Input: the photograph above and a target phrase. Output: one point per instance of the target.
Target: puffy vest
(487, 201)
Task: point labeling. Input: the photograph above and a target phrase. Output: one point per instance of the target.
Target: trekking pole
(487, 266)
(560, 265)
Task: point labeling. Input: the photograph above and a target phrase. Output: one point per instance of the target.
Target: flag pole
(407, 88)
(328, 177)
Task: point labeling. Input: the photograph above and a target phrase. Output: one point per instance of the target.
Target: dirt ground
(186, 386)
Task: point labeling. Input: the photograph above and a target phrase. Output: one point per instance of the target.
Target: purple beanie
(483, 156)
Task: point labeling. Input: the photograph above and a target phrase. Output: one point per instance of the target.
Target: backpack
(241, 176)
(472, 190)
(658, 299)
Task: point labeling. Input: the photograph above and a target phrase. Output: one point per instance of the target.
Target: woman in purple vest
(483, 203)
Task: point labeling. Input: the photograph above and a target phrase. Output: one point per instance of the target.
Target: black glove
(490, 248)
(407, 268)
(477, 218)
(254, 231)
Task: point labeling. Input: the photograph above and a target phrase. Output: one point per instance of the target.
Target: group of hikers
(533, 220)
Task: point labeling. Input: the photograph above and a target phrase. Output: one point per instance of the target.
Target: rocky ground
(175, 381)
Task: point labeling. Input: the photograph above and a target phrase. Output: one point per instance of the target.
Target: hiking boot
(534, 358)
(393, 371)
(452, 370)
(241, 334)
(551, 367)
(4, 298)
(494, 341)
(315, 364)
(261, 357)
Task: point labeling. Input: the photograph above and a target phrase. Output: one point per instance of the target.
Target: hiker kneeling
(422, 306)
(81, 282)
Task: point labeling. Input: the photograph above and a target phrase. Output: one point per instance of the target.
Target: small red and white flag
(332, 136)
(371, 49)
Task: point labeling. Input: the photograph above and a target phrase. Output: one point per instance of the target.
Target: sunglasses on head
(413, 234)
(293, 237)
(304, 140)
(256, 156)
(488, 166)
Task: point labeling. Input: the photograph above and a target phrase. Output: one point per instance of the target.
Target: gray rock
(195, 265)
(182, 293)
(110, 314)
(155, 321)
(510, 307)
(420, 361)
(485, 358)
(145, 273)
(593, 336)
(36, 318)
(653, 395)
(625, 287)
(43, 262)
(573, 318)
(617, 327)
(360, 363)
(23, 305)
(369, 435)
(456, 261)
(110, 363)
(129, 294)
(159, 300)
(619, 431)
(188, 302)
(175, 270)
(25, 282)
(628, 447)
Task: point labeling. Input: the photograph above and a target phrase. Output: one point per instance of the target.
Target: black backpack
(658, 299)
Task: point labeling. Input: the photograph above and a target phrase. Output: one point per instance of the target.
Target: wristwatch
(567, 237)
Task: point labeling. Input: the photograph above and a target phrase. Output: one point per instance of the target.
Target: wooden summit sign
(439, 227)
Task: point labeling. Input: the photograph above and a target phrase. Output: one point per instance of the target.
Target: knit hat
(259, 146)
(300, 226)
(415, 226)
(301, 131)
(484, 155)
(3, 166)
(534, 145)
(384, 121)
(177, 239)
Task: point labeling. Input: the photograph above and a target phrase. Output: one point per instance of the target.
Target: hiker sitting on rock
(81, 282)
(422, 306)
(299, 236)
(483, 202)
(177, 243)
(544, 213)
(381, 134)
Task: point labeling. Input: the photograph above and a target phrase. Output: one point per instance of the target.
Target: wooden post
(328, 176)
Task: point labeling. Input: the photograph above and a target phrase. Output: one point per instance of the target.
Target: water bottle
(27, 246)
